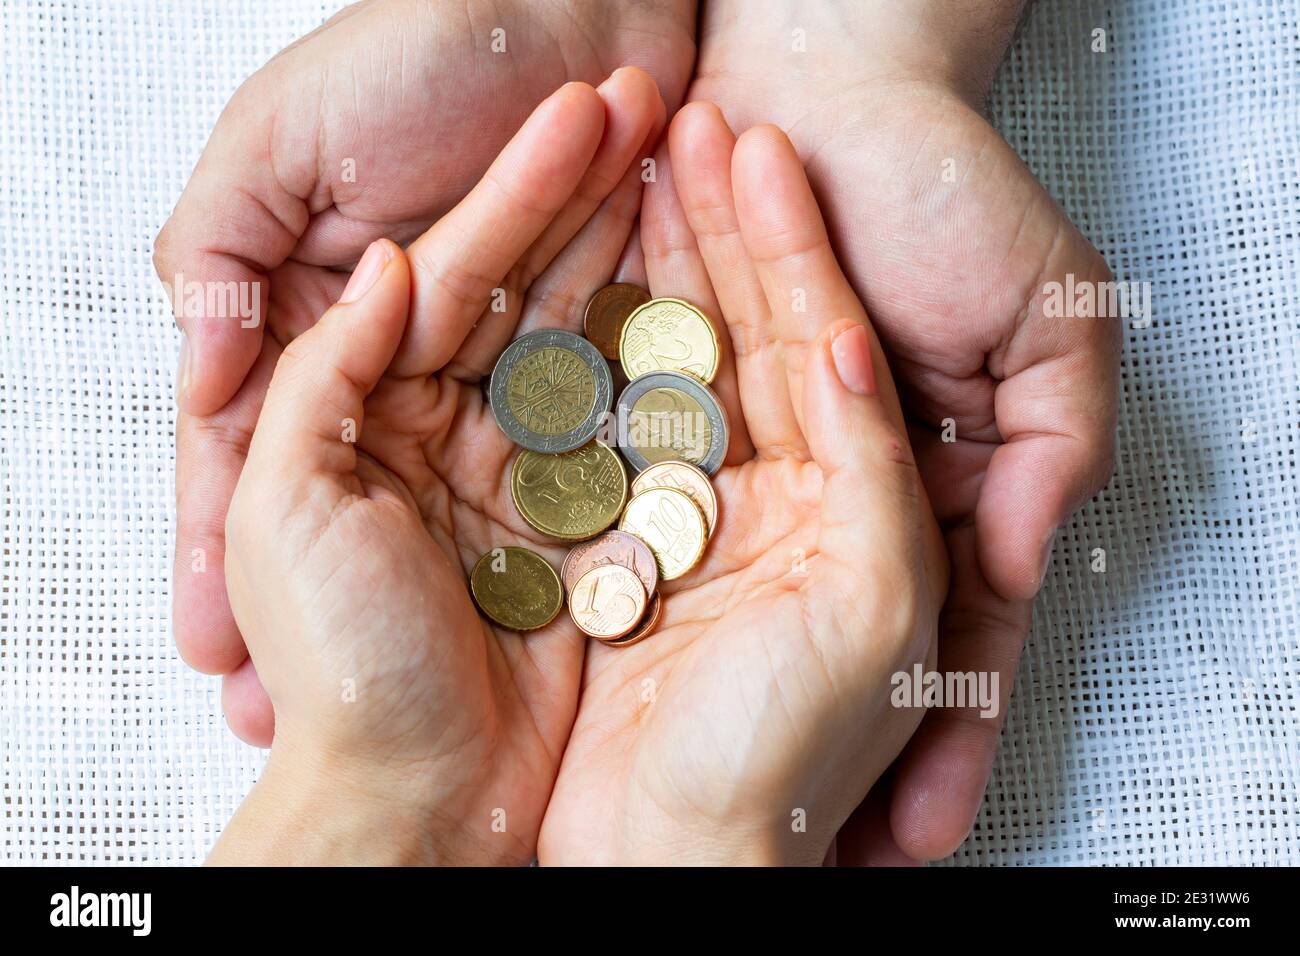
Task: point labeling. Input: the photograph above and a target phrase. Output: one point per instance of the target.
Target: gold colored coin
(516, 588)
(608, 601)
(687, 479)
(669, 335)
(606, 313)
(670, 523)
(572, 496)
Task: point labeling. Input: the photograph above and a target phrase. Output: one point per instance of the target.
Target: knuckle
(163, 246)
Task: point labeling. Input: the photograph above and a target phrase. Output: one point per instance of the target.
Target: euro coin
(607, 601)
(606, 313)
(612, 547)
(685, 478)
(516, 588)
(550, 391)
(669, 522)
(649, 621)
(669, 416)
(669, 335)
(573, 496)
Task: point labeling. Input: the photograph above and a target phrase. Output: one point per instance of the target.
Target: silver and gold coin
(516, 588)
(669, 335)
(670, 523)
(670, 416)
(550, 391)
(572, 496)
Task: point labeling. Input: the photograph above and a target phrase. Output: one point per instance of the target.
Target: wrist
(736, 839)
(956, 45)
(308, 809)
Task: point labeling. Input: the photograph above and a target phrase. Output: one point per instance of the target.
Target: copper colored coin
(606, 313)
(612, 547)
(607, 601)
(687, 479)
(642, 630)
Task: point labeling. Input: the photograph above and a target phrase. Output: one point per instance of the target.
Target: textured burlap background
(1155, 712)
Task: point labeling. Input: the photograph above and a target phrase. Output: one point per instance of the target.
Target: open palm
(950, 241)
(737, 731)
(390, 529)
(374, 125)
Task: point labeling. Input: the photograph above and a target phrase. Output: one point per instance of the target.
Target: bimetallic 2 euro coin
(670, 416)
(550, 391)
(572, 496)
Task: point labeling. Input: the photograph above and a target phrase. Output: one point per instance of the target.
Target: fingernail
(183, 370)
(852, 354)
(366, 272)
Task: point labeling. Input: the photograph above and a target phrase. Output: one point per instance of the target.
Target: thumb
(313, 411)
(1056, 410)
(232, 226)
(870, 493)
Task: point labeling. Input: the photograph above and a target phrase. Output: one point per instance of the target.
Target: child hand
(377, 477)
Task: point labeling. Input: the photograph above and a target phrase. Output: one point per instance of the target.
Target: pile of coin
(551, 392)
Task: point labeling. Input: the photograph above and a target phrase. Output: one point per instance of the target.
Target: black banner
(938, 903)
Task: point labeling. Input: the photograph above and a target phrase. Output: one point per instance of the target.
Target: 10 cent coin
(669, 522)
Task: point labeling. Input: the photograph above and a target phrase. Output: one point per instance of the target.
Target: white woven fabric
(1155, 713)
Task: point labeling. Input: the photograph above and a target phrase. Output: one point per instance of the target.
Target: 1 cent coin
(607, 601)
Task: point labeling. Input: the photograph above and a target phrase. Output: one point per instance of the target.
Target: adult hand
(377, 477)
(372, 126)
(950, 242)
(754, 720)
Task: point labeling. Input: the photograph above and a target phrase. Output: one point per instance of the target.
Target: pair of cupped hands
(339, 470)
